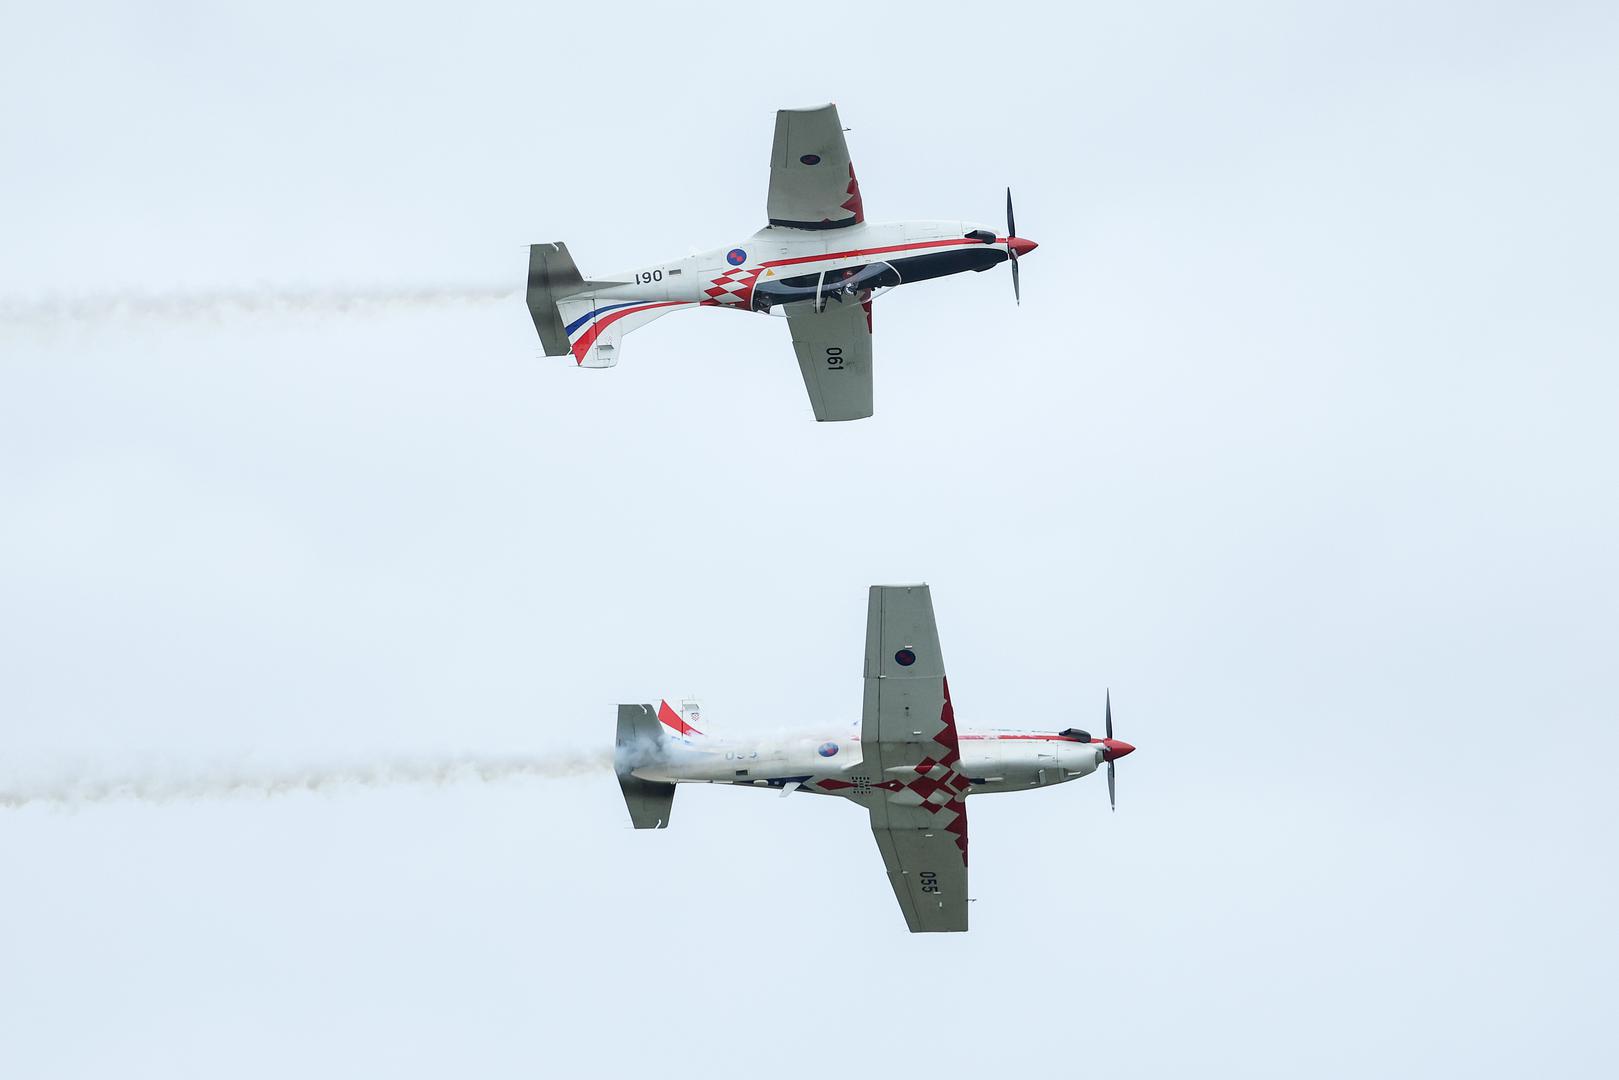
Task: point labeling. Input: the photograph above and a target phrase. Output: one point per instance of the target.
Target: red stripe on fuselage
(1047, 738)
(856, 253)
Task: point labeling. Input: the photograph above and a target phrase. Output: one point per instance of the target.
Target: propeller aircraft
(906, 763)
(818, 263)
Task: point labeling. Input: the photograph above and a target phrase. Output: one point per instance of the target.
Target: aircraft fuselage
(753, 275)
(991, 760)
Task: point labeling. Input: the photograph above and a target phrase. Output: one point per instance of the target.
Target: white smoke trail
(185, 307)
(224, 782)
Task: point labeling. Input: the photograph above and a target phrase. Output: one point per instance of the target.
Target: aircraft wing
(908, 740)
(834, 355)
(812, 184)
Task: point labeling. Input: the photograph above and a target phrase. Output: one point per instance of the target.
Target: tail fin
(574, 318)
(640, 734)
(644, 731)
(552, 275)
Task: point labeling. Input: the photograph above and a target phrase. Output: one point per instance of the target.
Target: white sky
(1303, 441)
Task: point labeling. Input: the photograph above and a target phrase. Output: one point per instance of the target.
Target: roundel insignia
(905, 658)
(827, 749)
(811, 159)
(736, 256)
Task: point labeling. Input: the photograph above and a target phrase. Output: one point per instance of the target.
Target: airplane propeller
(1015, 246)
(1112, 797)
(1011, 249)
(1115, 750)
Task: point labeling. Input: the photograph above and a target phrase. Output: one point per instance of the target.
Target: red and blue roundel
(736, 256)
(905, 658)
(827, 749)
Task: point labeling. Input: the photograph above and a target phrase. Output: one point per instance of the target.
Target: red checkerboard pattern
(734, 287)
(941, 788)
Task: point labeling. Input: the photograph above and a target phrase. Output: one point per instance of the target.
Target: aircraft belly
(991, 765)
(748, 764)
(1003, 766)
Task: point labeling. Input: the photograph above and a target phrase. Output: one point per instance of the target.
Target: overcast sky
(1303, 441)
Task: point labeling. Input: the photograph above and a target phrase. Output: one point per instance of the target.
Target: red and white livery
(818, 262)
(907, 763)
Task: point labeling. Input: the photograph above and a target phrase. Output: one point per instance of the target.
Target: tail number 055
(930, 881)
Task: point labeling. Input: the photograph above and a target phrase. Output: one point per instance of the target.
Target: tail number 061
(930, 881)
(834, 358)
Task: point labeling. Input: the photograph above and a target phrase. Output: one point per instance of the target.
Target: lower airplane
(818, 262)
(908, 766)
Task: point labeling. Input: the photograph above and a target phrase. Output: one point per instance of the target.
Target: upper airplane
(818, 263)
(908, 765)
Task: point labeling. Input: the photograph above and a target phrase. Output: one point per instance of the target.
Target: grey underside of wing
(924, 868)
(810, 175)
(904, 737)
(834, 356)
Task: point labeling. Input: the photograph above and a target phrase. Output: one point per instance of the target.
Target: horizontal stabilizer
(552, 275)
(594, 325)
(637, 743)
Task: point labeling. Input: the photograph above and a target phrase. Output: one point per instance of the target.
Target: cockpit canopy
(1076, 733)
(845, 285)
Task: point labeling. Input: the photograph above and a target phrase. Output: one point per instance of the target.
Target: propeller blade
(1011, 252)
(1110, 713)
(1112, 801)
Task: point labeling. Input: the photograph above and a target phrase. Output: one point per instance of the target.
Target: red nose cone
(1116, 748)
(1020, 245)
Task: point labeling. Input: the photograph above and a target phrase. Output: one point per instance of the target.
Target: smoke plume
(187, 307)
(225, 782)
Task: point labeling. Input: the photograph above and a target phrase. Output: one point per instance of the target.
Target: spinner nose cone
(1020, 245)
(1117, 748)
